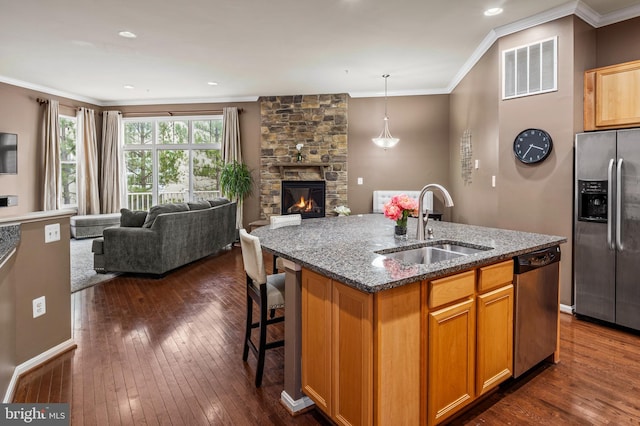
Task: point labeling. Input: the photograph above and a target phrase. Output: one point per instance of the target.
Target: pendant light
(385, 140)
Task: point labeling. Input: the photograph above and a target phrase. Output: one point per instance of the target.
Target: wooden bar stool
(267, 291)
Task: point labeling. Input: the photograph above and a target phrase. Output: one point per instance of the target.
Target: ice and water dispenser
(592, 200)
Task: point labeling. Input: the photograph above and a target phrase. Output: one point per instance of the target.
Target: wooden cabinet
(352, 356)
(495, 338)
(316, 339)
(416, 354)
(361, 353)
(451, 360)
(494, 352)
(451, 345)
(612, 97)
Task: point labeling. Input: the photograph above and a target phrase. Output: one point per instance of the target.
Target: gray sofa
(168, 236)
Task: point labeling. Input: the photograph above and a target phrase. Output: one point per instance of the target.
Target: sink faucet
(423, 217)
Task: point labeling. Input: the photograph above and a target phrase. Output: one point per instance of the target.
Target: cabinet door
(495, 338)
(352, 324)
(451, 361)
(316, 339)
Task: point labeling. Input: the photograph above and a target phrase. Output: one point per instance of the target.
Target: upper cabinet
(612, 97)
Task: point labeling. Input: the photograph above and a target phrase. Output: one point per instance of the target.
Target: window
(529, 70)
(68, 160)
(171, 160)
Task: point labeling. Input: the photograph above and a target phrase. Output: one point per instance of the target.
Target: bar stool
(267, 291)
(279, 222)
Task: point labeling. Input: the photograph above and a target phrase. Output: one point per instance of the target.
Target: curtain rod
(178, 113)
(42, 101)
(46, 101)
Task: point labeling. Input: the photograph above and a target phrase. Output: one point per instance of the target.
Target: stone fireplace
(304, 197)
(319, 122)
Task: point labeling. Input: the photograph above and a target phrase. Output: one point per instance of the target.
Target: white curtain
(87, 167)
(51, 156)
(231, 147)
(110, 170)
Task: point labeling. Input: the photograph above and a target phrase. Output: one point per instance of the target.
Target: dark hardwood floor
(169, 351)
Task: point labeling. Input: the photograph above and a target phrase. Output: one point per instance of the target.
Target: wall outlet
(39, 306)
(52, 233)
(360, 181)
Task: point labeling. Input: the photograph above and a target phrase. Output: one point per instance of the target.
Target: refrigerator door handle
(610, 242)
(619, 206)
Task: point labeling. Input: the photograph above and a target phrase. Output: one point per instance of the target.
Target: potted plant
(236, 183)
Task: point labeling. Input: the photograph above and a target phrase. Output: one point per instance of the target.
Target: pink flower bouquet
(400, 208)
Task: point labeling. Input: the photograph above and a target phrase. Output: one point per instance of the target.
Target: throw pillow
(163, 208)
(131, 218)
(199, 205)
(218, 201)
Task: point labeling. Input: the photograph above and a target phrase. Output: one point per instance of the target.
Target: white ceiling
(253, 48)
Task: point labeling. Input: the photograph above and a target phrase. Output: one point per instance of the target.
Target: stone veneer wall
(317, 121)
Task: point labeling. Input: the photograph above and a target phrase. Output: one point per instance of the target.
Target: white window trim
(154, 148)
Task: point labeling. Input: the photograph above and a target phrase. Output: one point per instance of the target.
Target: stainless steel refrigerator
(607, 226)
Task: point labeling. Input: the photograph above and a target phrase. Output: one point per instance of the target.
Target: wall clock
(532, 146)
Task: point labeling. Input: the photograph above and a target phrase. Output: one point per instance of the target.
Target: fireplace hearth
(304, 197)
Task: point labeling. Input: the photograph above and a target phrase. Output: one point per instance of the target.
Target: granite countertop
(9, 239)
(344, 248)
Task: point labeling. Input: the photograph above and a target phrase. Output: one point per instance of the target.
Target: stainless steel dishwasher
(536, 307)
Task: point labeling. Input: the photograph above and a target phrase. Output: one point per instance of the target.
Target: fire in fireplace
(304, 197)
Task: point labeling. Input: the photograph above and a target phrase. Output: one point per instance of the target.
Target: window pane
(173, 176)
(138, 133)
(67, 139)
(139, 179)
(206, 171)
(68, 183)
(207, 131)
(173, 132)
(68, 160)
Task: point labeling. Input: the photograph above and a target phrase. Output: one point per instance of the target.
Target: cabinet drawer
(450, 289)
(494, 276)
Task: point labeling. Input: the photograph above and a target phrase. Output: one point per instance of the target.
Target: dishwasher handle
(536, 259)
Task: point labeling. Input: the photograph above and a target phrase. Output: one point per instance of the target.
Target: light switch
(477, 166)
(360, 181)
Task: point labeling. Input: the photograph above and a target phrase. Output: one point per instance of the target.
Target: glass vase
(400, 232)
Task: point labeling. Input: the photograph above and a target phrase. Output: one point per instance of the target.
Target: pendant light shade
(385, 140)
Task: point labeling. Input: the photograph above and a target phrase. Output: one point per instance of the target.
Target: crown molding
(49, 90)
(619, 16)
(173, 101)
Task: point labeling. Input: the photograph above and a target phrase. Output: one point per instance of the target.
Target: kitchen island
(374, 340)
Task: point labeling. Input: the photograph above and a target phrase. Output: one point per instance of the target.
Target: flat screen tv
(8, 153)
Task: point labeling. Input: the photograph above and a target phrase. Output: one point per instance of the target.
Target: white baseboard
(295, 406)
(34, 362)
(566, 309)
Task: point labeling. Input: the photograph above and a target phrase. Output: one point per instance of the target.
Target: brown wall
(474, 107)
(49, 279)
(539, 198)
(20, 113)
(421, 156)
(618, 43)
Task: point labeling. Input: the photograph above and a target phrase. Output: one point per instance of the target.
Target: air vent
(531, 69)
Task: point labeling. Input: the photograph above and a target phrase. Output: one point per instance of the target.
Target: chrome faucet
(423, 217)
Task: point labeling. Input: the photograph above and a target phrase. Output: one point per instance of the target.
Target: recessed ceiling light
(128, 86)
(127, 34)
(493, 11)
(212, 83)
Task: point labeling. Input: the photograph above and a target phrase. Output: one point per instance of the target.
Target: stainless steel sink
(434, 253)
